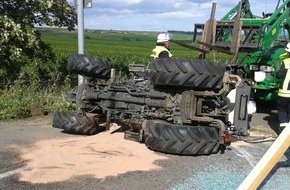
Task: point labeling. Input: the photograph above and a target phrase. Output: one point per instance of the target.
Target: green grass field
(117, 47)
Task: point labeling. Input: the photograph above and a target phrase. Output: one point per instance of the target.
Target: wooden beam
(189, 46)
(268, 161)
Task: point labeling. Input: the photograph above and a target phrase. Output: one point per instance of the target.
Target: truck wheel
(197, 74)
(76, 124)
(89, 66)
(181, 139)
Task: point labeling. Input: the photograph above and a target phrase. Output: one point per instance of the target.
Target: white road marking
(12, 172)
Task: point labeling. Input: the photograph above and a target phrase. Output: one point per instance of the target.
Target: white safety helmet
(163, 37)
(288, 47)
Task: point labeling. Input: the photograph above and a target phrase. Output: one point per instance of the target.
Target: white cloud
(134, 1)
(175, 15)
(115, 2)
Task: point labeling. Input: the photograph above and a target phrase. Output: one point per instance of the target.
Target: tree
(20, 42)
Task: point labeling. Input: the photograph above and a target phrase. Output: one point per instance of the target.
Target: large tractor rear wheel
(182, 139)
(197, 74)
(89, 66)
(76, 124)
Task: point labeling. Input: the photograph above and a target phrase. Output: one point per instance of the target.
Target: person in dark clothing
(283, 101)
(162, 47)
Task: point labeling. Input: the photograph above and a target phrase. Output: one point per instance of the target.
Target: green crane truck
(257, 44)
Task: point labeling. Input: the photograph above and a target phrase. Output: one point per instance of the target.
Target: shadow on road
(270, 111)
(273, 123)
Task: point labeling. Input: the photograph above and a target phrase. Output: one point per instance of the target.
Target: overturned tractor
(177, 106)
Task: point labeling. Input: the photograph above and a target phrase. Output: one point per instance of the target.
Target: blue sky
(160, 15)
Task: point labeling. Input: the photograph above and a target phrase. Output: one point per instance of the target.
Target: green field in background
(119, 47)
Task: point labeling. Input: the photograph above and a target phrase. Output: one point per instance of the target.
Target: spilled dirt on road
(102, 155)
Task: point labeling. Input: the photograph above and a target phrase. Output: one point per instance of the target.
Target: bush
(36, 91)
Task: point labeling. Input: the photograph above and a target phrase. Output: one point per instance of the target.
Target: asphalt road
(219, 171)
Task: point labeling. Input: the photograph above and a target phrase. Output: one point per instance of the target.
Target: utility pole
(80, 15)
(81, 4)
